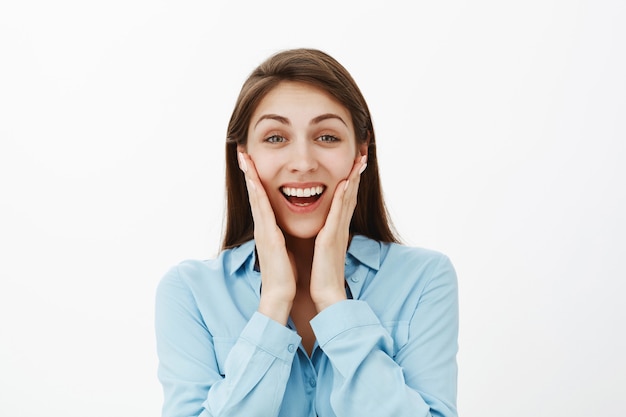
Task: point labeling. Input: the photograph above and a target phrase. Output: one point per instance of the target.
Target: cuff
(341, 317)
(271, 336)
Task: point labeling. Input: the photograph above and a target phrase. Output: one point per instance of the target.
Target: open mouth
(302, 197)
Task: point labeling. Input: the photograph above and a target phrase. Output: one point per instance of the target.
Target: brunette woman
(313, 307)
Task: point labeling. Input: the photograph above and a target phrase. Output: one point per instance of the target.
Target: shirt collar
(362, 249)
(366, 251)
(239, 255)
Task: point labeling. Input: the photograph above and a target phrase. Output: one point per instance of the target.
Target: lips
(302, 196)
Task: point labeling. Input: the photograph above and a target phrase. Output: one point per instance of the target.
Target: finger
(260, 206)
(351, 186)
(344, 199)
(358, 168)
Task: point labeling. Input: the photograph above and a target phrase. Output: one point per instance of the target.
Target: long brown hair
(316, 68)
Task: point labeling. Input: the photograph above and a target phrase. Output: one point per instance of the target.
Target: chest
(302, 311)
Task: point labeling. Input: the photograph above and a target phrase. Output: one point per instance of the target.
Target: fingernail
(364, 162)
(251, 185)
(242, 162)
(345, 186)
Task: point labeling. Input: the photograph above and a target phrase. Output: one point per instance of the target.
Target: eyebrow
(286, 121)
(276, 117)
(327, 116)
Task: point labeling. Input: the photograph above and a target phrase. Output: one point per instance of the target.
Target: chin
(302, 230)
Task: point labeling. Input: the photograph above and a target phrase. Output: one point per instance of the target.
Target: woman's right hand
(278, 276)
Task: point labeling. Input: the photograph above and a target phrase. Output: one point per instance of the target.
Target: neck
(302, 251)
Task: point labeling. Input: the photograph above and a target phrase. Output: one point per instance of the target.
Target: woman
(312, 308)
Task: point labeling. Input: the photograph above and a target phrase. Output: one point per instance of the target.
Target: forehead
(298, 98)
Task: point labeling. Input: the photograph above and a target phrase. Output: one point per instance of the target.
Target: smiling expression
(303, 144)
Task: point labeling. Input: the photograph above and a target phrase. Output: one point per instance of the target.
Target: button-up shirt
(388, 350)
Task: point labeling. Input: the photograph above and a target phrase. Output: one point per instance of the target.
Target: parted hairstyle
(320, 70)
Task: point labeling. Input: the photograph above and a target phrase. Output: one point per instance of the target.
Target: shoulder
(422, 264)
(379, 255)
(414, 252)
(400, 254)
(195, 273)
(400, 262)
(190, 270)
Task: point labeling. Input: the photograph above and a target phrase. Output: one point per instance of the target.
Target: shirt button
(312, 382)
(354, 279)
(291, 348)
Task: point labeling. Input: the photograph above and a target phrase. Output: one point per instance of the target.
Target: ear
(241, 148)
(363, 148)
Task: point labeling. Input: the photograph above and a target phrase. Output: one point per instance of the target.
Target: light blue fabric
(388, 351)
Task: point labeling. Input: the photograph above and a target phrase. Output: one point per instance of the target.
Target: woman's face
(303, 144)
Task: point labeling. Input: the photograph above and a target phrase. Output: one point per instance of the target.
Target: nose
(302, 157)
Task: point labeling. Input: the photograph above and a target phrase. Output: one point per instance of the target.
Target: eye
(328, 139)
(275, 139)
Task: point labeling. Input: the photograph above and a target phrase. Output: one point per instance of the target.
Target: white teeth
(302, 192)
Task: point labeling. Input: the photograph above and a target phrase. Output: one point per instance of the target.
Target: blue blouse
(389, 350)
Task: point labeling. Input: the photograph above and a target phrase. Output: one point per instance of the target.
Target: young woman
(312, 308)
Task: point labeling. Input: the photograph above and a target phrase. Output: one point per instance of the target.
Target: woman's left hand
(327, 272)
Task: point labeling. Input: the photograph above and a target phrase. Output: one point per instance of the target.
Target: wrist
(277, 310)
(325, 302)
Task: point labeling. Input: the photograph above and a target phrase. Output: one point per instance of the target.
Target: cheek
(342, 167)
(264, 168)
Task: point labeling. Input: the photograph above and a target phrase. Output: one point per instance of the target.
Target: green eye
(275, 139)
(328, 138)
